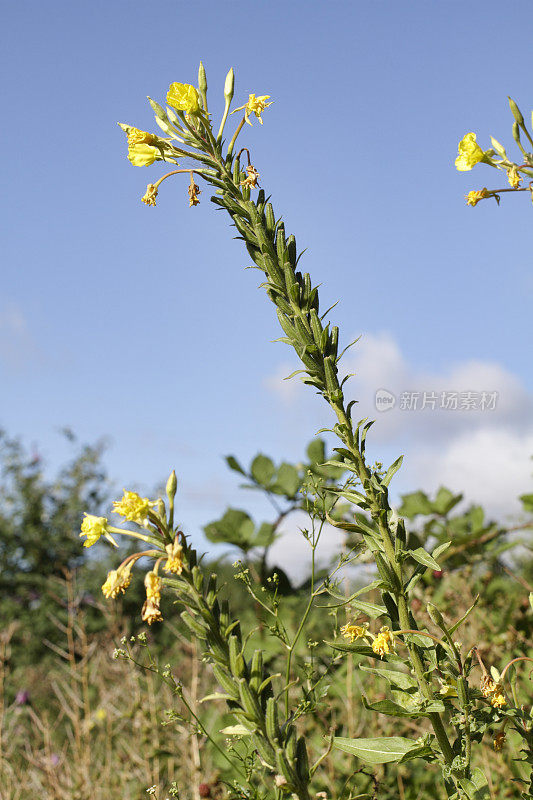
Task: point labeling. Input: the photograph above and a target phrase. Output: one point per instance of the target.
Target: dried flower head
(150, 195)
(174, 561)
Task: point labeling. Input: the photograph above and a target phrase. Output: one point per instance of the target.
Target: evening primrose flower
(470, 153)
(353, 632)
(150, 610)
(493, 692)
(383, 642)
(142, 155)
(136, 136)
(150, 195)
(255, 105)
(93, 527)
(174, 561)
(133, 507)
(473, 197)
(117, 581)
(183, 97)
(513, 177)
(252, 178)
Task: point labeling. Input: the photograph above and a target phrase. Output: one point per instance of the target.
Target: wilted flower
(470, 153)
(150, 195)
(255, 105)
(383, 642)
(513, 177)
(117, 581)
(252, 179)
(150, 610)
(499, 740)
(353, 632)
(473, 197)
(174, 561)
(183, 97)
(194, 191)
(132, 507)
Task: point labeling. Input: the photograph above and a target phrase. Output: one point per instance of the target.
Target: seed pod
(285, 769)
(290, 744)
(196, 627)
(256, 670)
(197, 578)
(435, 615)
(302, 761)
(236, 660)
(226, 681)
(249, 701)
(265, 749)
(271, 719)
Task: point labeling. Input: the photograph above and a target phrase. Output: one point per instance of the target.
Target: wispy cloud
(17, 345)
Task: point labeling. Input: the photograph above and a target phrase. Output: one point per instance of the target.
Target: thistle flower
(353, 632)
(142, 155)
(117, 581)
(132, 507)
(183, 97)
(470, 153)
(93, 527)
(150, 195)
(473, 197)
(255, 105)
(383, 642)
(174, 561)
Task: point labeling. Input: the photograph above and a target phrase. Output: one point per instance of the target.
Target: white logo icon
(385, 400)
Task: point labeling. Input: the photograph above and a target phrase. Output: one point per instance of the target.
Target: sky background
(140, 324)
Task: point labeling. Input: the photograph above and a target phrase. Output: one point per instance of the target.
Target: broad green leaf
(262, 469)
(445, 501)
(423, 557)
(265, 535)
(400, 679)
(477, 787)
(370, 609)
(287, 480)
(392, 709)
(316, 451)
(381, 750)
(413, 504)
(438, 551)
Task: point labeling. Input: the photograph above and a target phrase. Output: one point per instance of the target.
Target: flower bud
(435, 614)
(172, 485)
(229, 86)
(516, 111)
(202, 79)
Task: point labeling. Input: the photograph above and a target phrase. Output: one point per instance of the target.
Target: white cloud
(483, 453)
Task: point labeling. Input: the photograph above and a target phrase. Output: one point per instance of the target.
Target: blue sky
(141, 325)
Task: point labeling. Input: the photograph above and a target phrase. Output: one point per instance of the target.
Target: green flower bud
(202, 79)
(172, 485)
(435, 614)
(516, 111)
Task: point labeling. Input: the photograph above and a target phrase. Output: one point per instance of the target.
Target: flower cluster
(493, 692)
(381, 644)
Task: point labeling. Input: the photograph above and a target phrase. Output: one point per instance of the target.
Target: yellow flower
(194, 191)
(183, 97)
(117, 581)
(93, 527)
(150, 610)
(499, 740)
(473, 197)
(136, 136)
(150, 195)
(488, 686)
(142, 155)
(383, 642)
(353, 632)
(497, 700)
(174, 561)
(255, 105)
(513, 177)
(470, 153)
(252, 179)
(132, 507)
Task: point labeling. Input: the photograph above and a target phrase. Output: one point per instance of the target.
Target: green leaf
(262, 469)
(392, 709)
(401, 679)
(527, 501)
(423, 557)
(265, 535)
(370, 609)
(381, 750)
(477, 787)
(316, 451)
(287, 480)
(236, 527)
(233, 464)
(413, 504)
(364, 650)
(392, 470)
(445, 501)
(460, 621)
